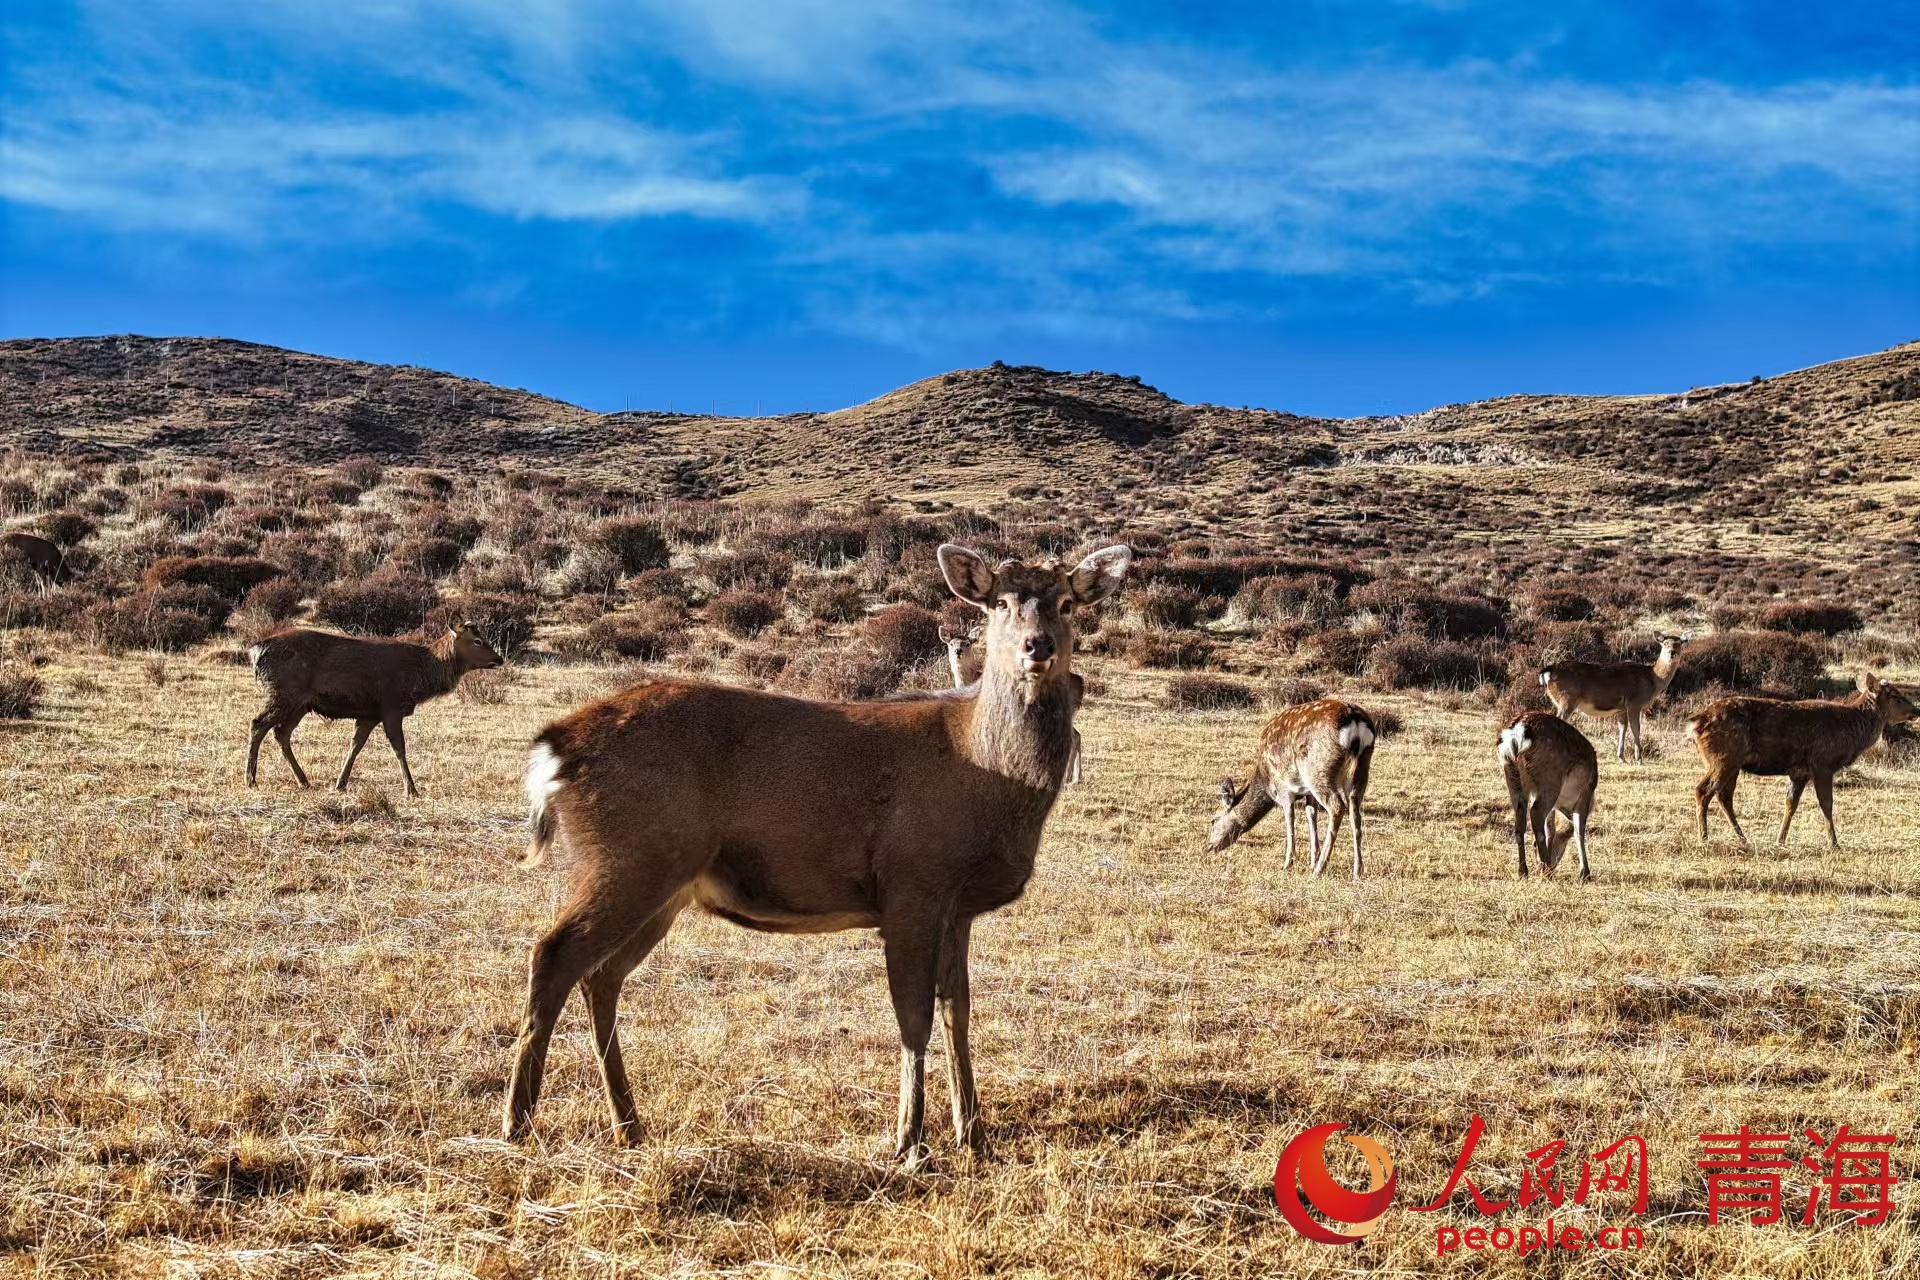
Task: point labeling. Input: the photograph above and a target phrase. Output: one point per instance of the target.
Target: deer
(1551, 768)
(1804, 741)
(367, 680)
(957, 643)
(1623, 690)
(1321, 752)
(788, 815)
(44, 558)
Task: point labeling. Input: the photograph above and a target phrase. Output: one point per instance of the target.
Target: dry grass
(265, 1033)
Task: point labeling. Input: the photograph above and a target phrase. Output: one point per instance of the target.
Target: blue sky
(1327, 207)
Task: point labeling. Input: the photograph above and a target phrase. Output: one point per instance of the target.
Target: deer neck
(953, 663)
(1022, 729)
(1663, 668)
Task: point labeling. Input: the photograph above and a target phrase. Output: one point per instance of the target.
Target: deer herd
(915, 815)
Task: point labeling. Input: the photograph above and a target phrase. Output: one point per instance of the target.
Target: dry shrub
(1225, 576)
(387, 604)
(505, 622)
(184, 506)
(1166, 650)
(1824, 618)
(830, 599)
(143, 621)
(761, 666)
(635, 544)
(1744, 661)
(648, 634)
(825, 545)
(229, 577)
(741, 612)
(1418, 662)
(1386, 722)
(592, 570)
(68, 528)
(274, 600)
(1309, 597)
(20, 693)
(1171, 605)
(361, 472)
(1293, 691)
(1209, 693)
(307, 555)
(750, 569)
(1559, 604)
(849, 674)
(486, 688)
(1344, 650)
(429, 557)
(1412, 607)
(905, 634)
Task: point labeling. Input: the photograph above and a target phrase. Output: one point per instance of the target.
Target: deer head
(1029, 607)
(468, 651)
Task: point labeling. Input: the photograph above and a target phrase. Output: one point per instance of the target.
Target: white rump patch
(1356, 737)
(253, 655)
(1514, 742)
(543, 780)
(1546, 677)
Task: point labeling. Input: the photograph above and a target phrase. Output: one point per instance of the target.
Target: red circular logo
(1303, 1170)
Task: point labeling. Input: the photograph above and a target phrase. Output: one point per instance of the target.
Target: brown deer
(369, 681)
(1623, 690)
(1321, 752)
(1800, 741)
(792, 816)
(45, 558)
(1551, 768)
(957, 643)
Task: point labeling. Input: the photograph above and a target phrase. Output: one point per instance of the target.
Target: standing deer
(1321, 752)
(1551, 768)
(1620, 689)
(793, 816)
(957, 643)
(369, 681)
(47, 561)
(1800, 741)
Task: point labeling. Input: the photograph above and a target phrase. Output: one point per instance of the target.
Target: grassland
(264, 1033)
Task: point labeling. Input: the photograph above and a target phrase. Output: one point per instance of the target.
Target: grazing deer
(1319, 751)
(1620, 689)
(369, 681)
(1801, 741)
(793, 816)
(1550, 767)
(44, 558)
(957, 643)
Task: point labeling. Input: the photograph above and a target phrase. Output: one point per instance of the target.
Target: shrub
(361, 472)
(1749, 660)
(185, 506)
(842, 674)
(1293, 691)
(1443, 617)
(592, 569)
(69, 529)
(503, 621)
(627, 636)
(428, 557)
(1311, 597)
(1828, 618)
(825, 545)
(904, 633)
(194, 597)
(1168, 650)
(1209, 693)
(1172, 605)
(1344, 649)
(832, 599)
(20, 693)
(1558, 604)
(762, 666)
(1417, 662)
(636, 545)
(754, 569)
(143, 621)
(1225, 576)
(486, 688)
(229, 577)
(386, 604)
(743, 613)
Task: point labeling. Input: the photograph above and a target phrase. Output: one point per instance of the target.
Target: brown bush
(636, 545)
(1170, 605)
(1409, 606)
(847, 674)
(750, 569)
(906, 634)
(1310, 597)
(184, 506)
(1558, 604)
(831, 599)
(1743, 661)
(1225, 576)
(1418, 662)
(624, 635)
(428, 557)
(503, 621)
(1826, 618)
(229, 577)
(1344, 649)
(1293, 691)
(741, 612)
(20, 693)
(1209, 693)
(762, 666)
(68, 528)
(361, 472)
(386, 604)
(144, 621)
(1166, 650)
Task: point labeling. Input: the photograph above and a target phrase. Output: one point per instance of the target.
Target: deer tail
(543, 783)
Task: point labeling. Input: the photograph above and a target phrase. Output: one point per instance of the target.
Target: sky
(1329, 207)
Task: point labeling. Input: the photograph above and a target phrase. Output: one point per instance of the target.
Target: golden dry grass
(265, 1033)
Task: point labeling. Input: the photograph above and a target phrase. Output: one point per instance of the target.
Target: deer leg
(1516, 793)
(1288, 864)
(1073, 761)
(262, 726)
(1580, 842)
(1620, 747)
(398, 738)
(955, 1001)
(1823, 791)
(1633, 722)
(1795, 786)
(1727, 783)
(601, 989)
(1354, 804)
(283, 734)
(1541, 820)
(362, 730)
(1313, 831)
(596, 921)
(1336, 810)
(912, 948)
(1703, 795)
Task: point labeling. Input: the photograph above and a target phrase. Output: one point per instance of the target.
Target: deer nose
(1038, 647)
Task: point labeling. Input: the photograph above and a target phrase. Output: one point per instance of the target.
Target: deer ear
(1099, 575)
(967, 573)
(1867, 682)
(973, 633)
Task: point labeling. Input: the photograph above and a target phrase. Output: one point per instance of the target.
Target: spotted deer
(1622, 690)
(1320, 752)
(787, 815)
(1551, 768)
(369, 681)
(1803, 741)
